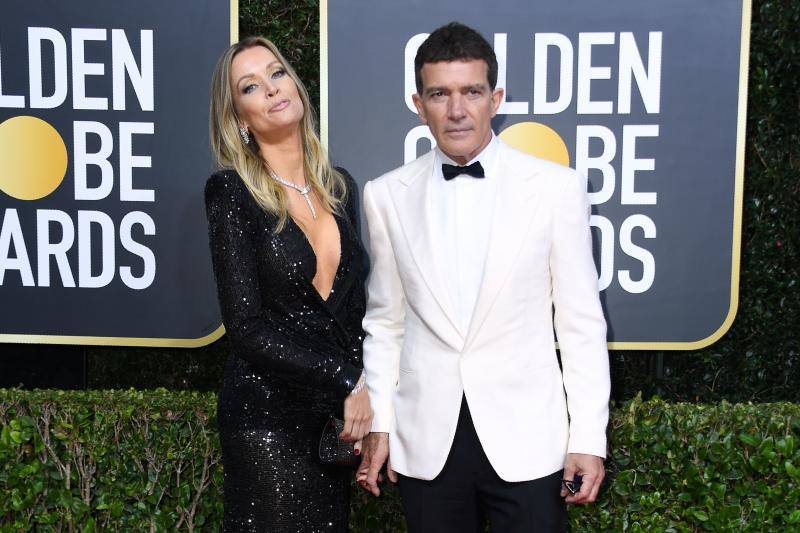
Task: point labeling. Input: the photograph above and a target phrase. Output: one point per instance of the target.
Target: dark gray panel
(694, 153)
(181, 302)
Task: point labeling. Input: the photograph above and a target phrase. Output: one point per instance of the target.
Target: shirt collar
(487, 157)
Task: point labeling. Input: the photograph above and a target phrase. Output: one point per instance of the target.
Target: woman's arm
(252, 336)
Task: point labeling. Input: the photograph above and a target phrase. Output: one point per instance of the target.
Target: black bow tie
(451, 171)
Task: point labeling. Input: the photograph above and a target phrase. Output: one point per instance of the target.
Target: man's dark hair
(455, 42)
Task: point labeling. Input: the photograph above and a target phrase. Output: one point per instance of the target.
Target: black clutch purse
(332, 449)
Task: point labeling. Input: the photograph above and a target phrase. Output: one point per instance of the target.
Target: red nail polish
(357, 452)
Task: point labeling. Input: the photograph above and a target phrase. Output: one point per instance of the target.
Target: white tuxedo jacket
(419, 362)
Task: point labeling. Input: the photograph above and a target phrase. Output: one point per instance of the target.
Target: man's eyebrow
(433, 89)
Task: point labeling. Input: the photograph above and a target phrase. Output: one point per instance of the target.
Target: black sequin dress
(294, 358)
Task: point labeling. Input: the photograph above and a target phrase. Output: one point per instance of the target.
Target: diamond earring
(243, 133)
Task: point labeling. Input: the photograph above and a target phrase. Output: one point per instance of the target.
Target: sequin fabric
(294, 358)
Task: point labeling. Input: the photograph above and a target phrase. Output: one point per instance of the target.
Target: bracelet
(360, 385)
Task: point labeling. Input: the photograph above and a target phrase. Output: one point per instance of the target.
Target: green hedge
(135, 461)
(108, 460)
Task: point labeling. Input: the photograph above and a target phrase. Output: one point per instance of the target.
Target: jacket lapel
(411, 195)
(515, 206)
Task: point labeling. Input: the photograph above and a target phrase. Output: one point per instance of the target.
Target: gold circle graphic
(33, 158)
(538, 140)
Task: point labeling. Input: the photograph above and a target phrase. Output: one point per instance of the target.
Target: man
(473, 245)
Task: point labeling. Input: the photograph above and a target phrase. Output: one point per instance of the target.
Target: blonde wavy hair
(230, 151)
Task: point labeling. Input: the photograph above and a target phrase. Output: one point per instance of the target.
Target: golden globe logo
(33, 158)
(34, 161)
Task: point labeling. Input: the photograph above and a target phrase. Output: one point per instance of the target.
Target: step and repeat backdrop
(104, 150)
(103, 157)
(645, 99)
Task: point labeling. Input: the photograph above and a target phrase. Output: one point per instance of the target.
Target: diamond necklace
(302, 190)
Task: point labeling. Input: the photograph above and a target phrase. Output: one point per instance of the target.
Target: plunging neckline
(323, 299)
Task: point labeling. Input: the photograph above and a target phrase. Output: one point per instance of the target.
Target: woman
(290, 270)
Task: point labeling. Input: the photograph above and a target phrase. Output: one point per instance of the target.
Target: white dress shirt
(462, 208)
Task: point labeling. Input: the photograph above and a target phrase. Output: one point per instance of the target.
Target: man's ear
(497, 99)
(420, 108)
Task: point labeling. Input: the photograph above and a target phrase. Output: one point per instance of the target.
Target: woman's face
(265, 96)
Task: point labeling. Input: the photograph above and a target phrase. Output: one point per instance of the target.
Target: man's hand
(357, 416)
(591, 468)
(375, 453)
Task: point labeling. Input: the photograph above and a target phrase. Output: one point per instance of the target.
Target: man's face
(457, 104)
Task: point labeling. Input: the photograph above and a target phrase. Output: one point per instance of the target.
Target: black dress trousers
(468, 488)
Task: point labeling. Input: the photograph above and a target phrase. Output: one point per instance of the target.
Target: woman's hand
(357, 416)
